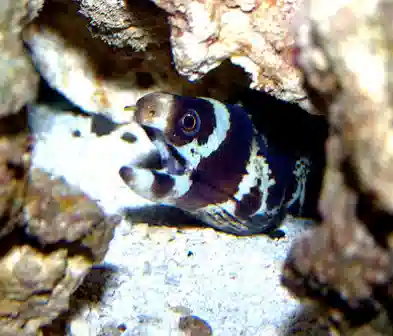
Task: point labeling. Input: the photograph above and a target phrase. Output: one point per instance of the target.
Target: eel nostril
(127, 174)
(153, 160)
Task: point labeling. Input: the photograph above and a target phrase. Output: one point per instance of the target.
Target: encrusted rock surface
(117, 51)
(346, 265)
(44, 259)
(101, 75)
(18, 79)
(137, 24)
(15, 152)
(50, 233)
(56, 212)
(253, 34)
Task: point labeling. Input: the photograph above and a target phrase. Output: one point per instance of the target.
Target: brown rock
(15, 157)
(18, 82)
(44, 261)
(252, 34)
(194, 326)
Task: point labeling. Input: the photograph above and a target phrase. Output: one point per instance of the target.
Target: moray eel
(212, 163)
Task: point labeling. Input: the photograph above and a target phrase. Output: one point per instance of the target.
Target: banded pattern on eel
(212, 163)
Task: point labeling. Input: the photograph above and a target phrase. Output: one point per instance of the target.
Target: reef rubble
(345, 266)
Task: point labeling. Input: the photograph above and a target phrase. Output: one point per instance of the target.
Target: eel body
(211, 162)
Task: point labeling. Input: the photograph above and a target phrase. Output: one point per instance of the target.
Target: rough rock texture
(50, 233)
(253, 34)
(58, 213)
(105, 78)
(346, 264)
(15, 151)
(194, 326)
(117, 51)
(137, 24)
(18, 79)
(44, 260)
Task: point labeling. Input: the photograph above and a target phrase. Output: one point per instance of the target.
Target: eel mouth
(165, 157)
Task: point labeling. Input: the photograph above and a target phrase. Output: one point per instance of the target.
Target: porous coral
(140, 47)
(137, 24)
(253, 34)
(18, 80)
(346, 265)
(15, 157)
(58, 235)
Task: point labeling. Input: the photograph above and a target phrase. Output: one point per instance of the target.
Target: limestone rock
(346, 266)
(18, 80)
(102, 78)
(117, 51)
(44, 260)
(253, 34)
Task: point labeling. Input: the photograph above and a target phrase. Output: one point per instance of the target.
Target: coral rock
(104, 77)
(56, 212)
(138, 24)
(45, 259)
(18, 82)
(346, 265)
(253, 34)
(15, 157)
(50, 233)
(118, 51)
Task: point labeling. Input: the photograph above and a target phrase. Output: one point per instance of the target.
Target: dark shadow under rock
(162, 215)
(90, 292)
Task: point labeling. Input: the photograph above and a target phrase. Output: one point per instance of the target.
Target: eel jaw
(165, 157)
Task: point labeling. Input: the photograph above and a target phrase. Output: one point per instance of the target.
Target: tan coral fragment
(253, 34)
(43, 262)
(137, 24)
(18, 81)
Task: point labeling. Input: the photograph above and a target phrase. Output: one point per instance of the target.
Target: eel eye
(190, 122)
